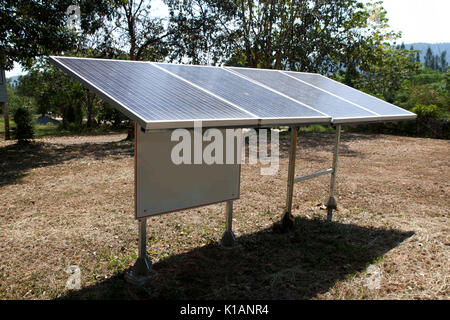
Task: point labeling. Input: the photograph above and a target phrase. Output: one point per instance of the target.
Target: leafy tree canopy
(316, 36)
(31, 28)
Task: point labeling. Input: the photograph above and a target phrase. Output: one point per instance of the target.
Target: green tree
(32, 28)
(429, 59)
(315, 36)
(385, 77)
(131, 32)
(443, 61)
(23, 131)
(54, 92)
(124, 30)
(437, 62)
(135, 34)
(427, 87)
(16, 100)
(108, 114)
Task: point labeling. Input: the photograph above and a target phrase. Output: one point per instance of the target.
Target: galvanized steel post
(228, 238)
(142, 267)
(288, 219)
(332, 203)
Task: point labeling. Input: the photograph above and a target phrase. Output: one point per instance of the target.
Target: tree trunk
(5, 103)
(130, 135)
(90, 110)
(6, 118)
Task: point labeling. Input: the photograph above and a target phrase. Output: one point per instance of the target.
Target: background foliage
(343, 39)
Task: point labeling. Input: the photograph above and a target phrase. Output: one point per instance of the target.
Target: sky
(419, 21)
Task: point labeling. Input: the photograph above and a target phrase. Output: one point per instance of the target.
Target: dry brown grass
(69, 201)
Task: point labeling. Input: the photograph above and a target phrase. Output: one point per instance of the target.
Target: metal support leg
(332, 203)
(228, 238)
(287, 222)
(138, 275)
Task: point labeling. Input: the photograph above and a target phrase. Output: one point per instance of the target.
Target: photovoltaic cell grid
(148, 94)
(378, 106)
(264, 103)
(342, 103)
(316, 98)
(159, 95)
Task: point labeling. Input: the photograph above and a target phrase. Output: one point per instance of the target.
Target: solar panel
(329, 104)
(383, 109)
(164, 96)
(151, 96)
(265, 104)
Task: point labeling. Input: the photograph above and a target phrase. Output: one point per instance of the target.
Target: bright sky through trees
(419, 20)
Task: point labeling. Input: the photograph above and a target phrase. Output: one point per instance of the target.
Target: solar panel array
(161, 95)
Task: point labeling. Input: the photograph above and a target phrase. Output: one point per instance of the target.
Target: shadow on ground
(296, 265)
(17, 160)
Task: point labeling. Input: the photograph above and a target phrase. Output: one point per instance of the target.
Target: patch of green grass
(35, 289)
(54, 130)
(375, 261)
(161, 255)
(40, 130)
(316, 128)
(210, 239)
(45, 130)
(2, 125)
(120, 263)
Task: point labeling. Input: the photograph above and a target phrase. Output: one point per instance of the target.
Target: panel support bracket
(313, 175)
(332, 203)
(287, 221)
(138, 274)
(228, 238)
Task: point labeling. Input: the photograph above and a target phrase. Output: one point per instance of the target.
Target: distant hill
(437, 48)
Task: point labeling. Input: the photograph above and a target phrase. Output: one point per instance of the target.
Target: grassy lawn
(53, 130)
(39, 130)
(69, 201)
